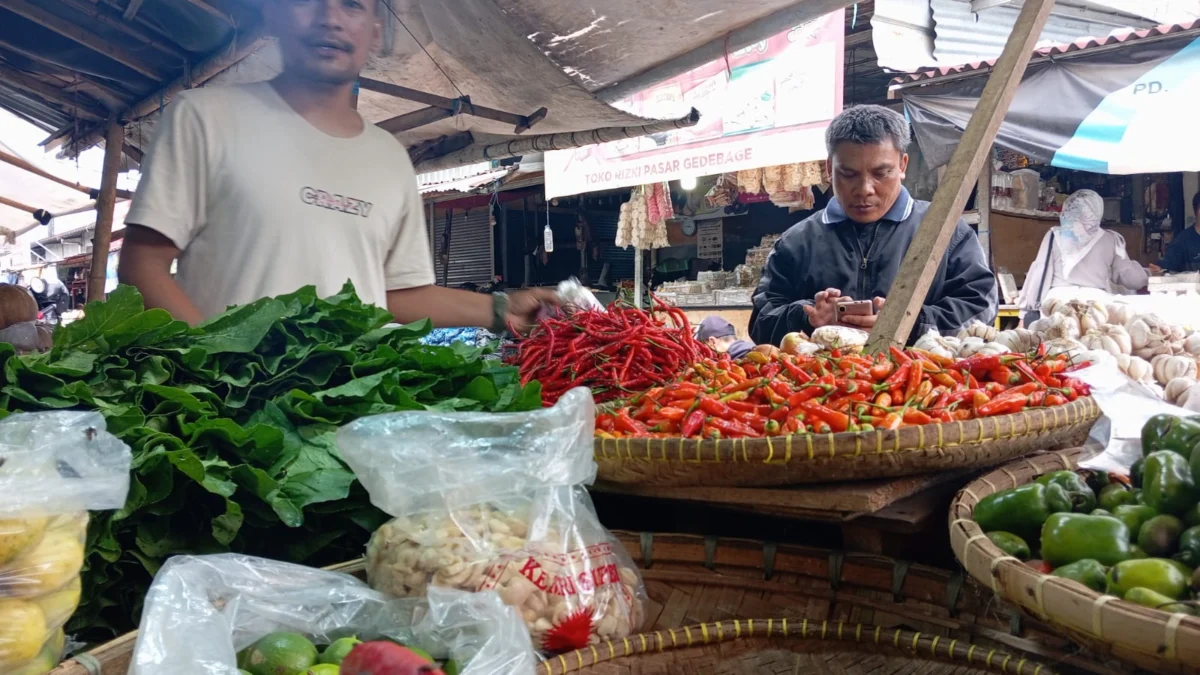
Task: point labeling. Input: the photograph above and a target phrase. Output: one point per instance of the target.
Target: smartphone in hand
(856, 308)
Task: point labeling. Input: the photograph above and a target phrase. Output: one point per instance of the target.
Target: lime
(323, 669)
(279, 654)
(243, 672)
(421, 653)
(336, 652)
(451, 667)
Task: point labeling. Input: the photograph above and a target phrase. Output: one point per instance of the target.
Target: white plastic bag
(202, 610)
(1127, 405)
(485, 501)
(54, 467)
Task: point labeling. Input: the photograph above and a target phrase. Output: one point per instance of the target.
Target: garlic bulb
(1056, 327)
(1190, 399)
(1052, 306)
(1112, 339)
(1089, 315)
(1119, 313)
(1191, 344)
(1071, 348)
(973, 346)
(935, 343)
(980, 330)
(1177, 388)
(1021, 340)
(1150, 336)
(1137, 369)
(840, 337)
(1168, 367)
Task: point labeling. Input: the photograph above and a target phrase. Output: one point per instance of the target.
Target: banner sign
(1122, 111)
(765, 105)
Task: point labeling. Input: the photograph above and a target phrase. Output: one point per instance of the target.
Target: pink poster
(764, 105)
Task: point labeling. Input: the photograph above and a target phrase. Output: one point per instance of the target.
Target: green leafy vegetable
(232, 426)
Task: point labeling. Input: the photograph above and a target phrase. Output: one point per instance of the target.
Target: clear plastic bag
(495, 502)
(54, 467)
(202, 610)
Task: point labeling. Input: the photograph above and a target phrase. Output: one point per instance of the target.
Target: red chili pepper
(1003, 405)
(732, 428)
(837, 421)
(899, 377)
(747, 407)
(604, 422)
(673, 414)
(629, 425)
(780, 414)
(806, 394)
(714, 407)
(693, 423)
(881, 370)
(898, 356)
(911, 416)
(891, 421)
(796, 372)
(914, 381)
(1037, 399)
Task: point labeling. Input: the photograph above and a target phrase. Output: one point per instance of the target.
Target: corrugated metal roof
(1081, 45)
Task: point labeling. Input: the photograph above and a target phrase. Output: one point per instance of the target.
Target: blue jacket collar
(901, 210)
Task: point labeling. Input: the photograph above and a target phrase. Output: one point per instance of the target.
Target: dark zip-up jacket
(823, 251)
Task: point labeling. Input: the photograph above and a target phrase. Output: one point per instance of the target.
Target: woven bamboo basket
(816, 611)
(815, 458)
(1152, 639)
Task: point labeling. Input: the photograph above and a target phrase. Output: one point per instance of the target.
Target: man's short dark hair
(868, 125)
(1196, 202)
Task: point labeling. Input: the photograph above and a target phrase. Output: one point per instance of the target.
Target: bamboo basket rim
(810, 447)
(714, 558)
(1103, 622)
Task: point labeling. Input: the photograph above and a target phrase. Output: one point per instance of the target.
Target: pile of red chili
(616, 353)
(760, 396)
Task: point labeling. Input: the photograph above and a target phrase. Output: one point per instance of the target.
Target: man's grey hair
(868, 125)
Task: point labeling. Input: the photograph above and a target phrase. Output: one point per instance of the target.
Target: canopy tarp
(1120, 111)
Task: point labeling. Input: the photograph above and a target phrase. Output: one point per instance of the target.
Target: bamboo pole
(544, 142)
(452, 106)
(928, 247)
(99, 13)
(17, 205)
(22, 164)
(114, 138)
(49, 92)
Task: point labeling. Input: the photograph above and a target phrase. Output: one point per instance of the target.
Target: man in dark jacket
(853, 248)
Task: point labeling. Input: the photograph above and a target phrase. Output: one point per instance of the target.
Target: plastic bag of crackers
(496, 502)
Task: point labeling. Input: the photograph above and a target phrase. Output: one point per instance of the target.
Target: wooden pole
(12, 203)
(82, 108)
(114, 138)
(983, 204)
(454, 106)
(82, 35)
(928, 247)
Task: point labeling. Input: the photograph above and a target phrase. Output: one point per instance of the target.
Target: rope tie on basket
(1037, 592)
(90, 663)
(995, 564)
(1171, 630)
(1097, 623)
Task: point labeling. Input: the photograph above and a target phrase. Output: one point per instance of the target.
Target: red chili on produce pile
(830, 393)
(615, 353)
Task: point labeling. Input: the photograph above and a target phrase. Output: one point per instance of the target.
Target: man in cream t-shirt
(261, 189)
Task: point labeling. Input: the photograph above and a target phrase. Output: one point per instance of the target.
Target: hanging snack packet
(54, 468)
(216, 614)
(496, 502)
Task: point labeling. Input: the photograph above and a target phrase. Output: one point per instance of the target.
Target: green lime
(324, 669)
(279, 654)
(421, 653)
(243, 672)
(336, 652)
(451, 667)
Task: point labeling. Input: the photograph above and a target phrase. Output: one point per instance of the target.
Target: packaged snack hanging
(54, 468)
(216, 614)
(496, 502)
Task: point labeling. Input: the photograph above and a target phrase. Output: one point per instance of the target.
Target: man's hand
(523, 307)
(864, 322)
(823, 311)
(1155, 270)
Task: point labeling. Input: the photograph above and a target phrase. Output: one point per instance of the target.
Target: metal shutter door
(604, 229)
(471, 259)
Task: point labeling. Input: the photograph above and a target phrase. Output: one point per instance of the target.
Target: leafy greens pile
(232, 423)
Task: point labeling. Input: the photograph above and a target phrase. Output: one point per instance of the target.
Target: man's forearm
(446, 307)
(160, 290)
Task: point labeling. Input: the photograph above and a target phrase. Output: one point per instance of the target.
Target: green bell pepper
(1155, 600)
(1159, 536)
(1137, 472)
(1114, 495)
(1169, 486)
(1097, 480)
(1133, 515)
(1021, 510)
(1162, 576)
(1189, 547)
(1010, 544)
(1178, 436)
(1100, 512)
(1154, 430)
(1082, 497)
(1088, 572)
(1191, 517)
(1068, 537)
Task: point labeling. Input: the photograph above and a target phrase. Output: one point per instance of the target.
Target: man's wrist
(499, 313)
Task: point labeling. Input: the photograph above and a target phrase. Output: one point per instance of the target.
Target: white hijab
(1079, 227)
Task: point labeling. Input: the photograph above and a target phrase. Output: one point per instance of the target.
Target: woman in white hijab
(1078, 260)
